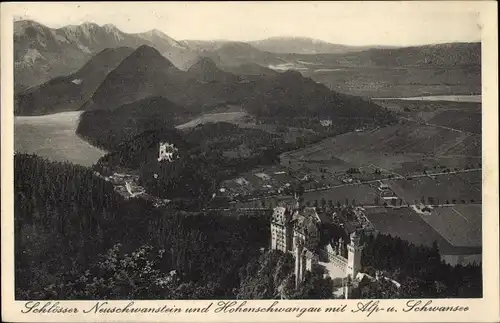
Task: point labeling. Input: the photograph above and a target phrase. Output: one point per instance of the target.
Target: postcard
(250, 161)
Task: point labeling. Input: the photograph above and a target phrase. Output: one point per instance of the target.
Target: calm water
(451, 98)
(53, 137)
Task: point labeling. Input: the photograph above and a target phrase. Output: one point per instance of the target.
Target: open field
(440, 189)
(464, 116)
(408, 225)
(460, 225)
(361, 194)
(214, 117)
(398, 82)
(389, 148)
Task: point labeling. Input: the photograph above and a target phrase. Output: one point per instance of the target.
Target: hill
(239, 53)
(439, 55)
(176, 52)
(291, 99)
(42, 53)
(109, 128)
(301, 45)
(141, 149)
(206, 71)
(142, 74)
(68, 93)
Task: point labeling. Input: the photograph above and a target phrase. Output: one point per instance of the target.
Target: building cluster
(297, 230)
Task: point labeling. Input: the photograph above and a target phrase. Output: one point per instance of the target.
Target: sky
(351, 23)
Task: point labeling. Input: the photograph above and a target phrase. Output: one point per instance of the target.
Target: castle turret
(299, 270)
(354, 249)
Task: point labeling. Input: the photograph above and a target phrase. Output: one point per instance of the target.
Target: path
(326, 188)
(438, 126)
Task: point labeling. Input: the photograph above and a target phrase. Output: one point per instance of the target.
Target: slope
(68, 93)
(42, 53)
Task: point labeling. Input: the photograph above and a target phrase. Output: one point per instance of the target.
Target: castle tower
(299, 271)
(281, 230)
(297, 198)
(354, 256)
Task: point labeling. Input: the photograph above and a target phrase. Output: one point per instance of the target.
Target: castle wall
(338, 261)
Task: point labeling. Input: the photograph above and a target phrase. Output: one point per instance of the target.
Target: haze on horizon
(349, 23)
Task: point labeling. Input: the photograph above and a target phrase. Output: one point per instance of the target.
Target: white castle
(296, 230)
(166, 152)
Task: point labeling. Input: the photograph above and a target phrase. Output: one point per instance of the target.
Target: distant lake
(53, 137)
(451, 98)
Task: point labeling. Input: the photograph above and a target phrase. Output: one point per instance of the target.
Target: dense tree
(65, 216)
(420, 269)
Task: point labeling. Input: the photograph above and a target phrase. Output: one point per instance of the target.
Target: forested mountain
(108, 129)
(69, 93)
(289, 98)
(239, 53)
(205, 70)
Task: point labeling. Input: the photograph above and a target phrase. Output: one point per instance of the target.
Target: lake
(53, 137)
(450, 98)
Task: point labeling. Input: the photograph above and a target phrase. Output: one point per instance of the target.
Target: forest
(65, 217)
(419, 269)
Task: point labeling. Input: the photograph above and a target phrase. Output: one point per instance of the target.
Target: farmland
(392, 82)
(456, 242)
(460, 225)
(463, 116)
(453, 188)
(392, 148)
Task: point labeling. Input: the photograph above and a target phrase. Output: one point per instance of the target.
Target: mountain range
(69, 93)
(42, 53)
(305, 45)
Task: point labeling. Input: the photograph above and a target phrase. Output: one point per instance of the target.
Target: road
(363, 206)
(438, 126)
(326, 188)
